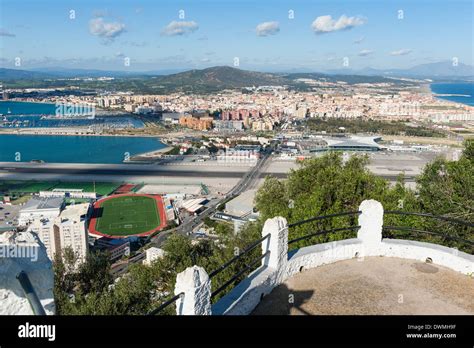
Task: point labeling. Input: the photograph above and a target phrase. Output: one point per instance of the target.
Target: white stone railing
(279, 265)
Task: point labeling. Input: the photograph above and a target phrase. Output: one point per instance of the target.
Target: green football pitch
(127, 215)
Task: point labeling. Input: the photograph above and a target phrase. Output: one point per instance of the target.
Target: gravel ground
(373, 286)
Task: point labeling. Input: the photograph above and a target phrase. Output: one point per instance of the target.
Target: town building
(152, 254)
(199, 123)
(228, 125)
(117, 248)
(69, 229)
(40, 208)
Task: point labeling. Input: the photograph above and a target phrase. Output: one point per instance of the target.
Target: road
(245, 183)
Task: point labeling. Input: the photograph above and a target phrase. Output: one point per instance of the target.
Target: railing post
(371, 224)
(196, 286)
(277, 244)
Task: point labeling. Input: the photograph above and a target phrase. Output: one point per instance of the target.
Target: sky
(265, 35)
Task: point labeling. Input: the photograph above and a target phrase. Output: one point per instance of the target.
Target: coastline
(442, 96)
(79, 132)
(85, 132)
(154, 154)
(26, 101)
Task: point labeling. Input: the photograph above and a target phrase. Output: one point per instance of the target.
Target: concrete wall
(280, 265)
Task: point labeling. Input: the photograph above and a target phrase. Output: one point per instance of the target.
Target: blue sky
(154, 37)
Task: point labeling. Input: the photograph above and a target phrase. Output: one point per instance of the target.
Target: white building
(143, 110)
(249, 157)
(69, 229)
(40, 208)
(69, 193)
(152, 254)
(446, 118)
(171, 117)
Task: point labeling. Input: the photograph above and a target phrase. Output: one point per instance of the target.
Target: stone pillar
(196, 286)
(277, 244)
(371, 222)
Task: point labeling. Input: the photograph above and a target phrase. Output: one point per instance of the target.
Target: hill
(209, 80)
(218, 78)
(16, 74)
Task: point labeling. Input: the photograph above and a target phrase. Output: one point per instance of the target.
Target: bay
(74, 149)
(456, 92)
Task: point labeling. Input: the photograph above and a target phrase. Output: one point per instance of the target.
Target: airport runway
(61, 171)
(121, 172)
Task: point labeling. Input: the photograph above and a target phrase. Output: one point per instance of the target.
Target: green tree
(94, 274)
(447, 188)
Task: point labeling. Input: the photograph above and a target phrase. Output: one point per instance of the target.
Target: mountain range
(217, 78)
(444, 69)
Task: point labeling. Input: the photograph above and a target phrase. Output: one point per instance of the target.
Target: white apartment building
(446, 118)
(262, 125)
(152, 254)
(40, 208)
(69, 229)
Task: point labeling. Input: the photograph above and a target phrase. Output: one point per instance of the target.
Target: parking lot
(9, 215)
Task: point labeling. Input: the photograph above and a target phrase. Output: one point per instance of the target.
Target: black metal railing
(414, 230)
(166, 304)
(438, 234)
(239, 273)
(322, 217)
(439, 217)
(324, 231)
(319, 233)
(247, 267)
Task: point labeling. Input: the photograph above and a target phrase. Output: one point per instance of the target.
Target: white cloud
(402, 52)
(180, 28)
(137, 43)
(359, 40)
(5, 33)
(326, 24)
(267, 28)
(364, 53)
(106, 30)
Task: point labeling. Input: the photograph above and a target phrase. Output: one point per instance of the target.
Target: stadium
(125, 215)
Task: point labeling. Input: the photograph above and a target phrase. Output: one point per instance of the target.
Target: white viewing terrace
(364, 275)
